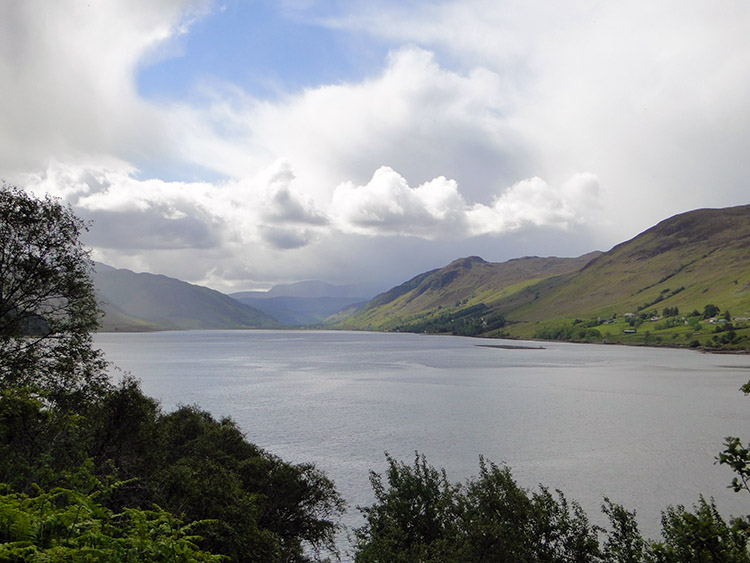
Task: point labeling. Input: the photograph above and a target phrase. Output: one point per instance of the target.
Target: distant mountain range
(144, 302)
(141, 301)
(683, 282)
(657, 288)
(304, 303)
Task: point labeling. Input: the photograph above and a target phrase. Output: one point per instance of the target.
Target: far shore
(510, 346)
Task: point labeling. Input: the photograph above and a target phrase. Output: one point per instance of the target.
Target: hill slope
(143, 301)
(464, 283)
(686, 261)
(662, 277)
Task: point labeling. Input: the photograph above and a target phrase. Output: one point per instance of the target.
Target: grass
(684, 263)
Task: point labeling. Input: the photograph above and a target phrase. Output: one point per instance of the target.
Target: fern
(64, 525)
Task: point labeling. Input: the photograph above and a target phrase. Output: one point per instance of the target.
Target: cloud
(388, 206)
(488, 127)
(409, 117)
(285, 238)
(650, 96)
(285, 206)
(69, 73)
(533, 202)
(132, 214)
(145, 214)
(436, 210)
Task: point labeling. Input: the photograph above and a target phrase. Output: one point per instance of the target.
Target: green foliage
(66, 525)
(710, 311)
(414, 518)
(260, 508)
(38, 445)
(670, 311)
(421, 516)
(624, 543)
(701, 535)
(737, 456)
(268, 510)
(503, 522)
(576, 331)
(469, 321)
(48, 307)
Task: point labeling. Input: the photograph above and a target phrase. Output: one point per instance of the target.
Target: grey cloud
(149, 230)
(285, 207)
(504, 109)
(286, 238)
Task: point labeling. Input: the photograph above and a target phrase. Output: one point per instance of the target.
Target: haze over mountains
(680, 265)
(304, 303)
(142, 302)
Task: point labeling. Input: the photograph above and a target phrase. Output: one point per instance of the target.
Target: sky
(243, 143)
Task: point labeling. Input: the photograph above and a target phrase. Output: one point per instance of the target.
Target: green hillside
(653, 289)
(134, 302)
(462, 285)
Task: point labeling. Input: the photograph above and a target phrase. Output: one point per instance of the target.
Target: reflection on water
(640, 425)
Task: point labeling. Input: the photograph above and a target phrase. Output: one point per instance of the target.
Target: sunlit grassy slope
(683, 263)
(462, 284)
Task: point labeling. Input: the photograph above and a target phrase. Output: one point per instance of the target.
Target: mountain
(303, 303)
(140, 301)
(685, 261)
(655, 289)
(463, 284)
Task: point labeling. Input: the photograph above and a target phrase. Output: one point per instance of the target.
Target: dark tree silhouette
(48, 307)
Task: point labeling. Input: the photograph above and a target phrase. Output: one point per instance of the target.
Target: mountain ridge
(464, 282)
(683, 263)
(142, 302)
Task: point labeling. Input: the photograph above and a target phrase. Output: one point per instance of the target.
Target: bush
(421, 516)
(258, 507)
(66, 525)
(701, 535)
(418, 515)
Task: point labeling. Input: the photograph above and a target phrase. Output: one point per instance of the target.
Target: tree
(414, 518)
(737, 457)
(266, 509)
(48, 307)
(64, 427)
(503, 522)
(421, 516)
(244, 502)
(624, 542)
(701, 535)
(710, 311)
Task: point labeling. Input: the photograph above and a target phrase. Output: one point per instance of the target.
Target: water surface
(640, 425)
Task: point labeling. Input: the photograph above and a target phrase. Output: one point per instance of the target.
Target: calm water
(640, 425)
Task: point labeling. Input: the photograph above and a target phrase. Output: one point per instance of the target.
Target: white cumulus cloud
(487, 121)
(387, 205)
